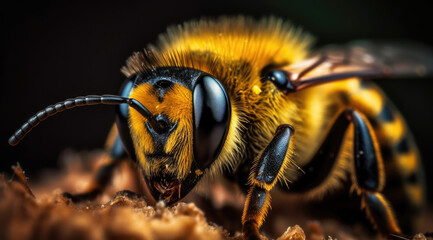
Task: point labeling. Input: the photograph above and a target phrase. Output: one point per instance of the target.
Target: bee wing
(363, 59)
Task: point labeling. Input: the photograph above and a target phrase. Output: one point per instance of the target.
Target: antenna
(79, 102)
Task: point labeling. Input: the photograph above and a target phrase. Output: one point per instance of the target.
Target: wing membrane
(363, 59)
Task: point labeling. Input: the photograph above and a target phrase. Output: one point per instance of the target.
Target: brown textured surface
(48, 215)
(24, 217)
(126, 215)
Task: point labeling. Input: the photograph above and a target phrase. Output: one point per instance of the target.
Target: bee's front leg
(267, 169)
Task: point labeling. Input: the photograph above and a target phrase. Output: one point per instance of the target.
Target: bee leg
(101, 180)
(270, 165)
(322, 164)
(105, 172)
(370, 176)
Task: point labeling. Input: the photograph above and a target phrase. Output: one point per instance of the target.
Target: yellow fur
(260, 215)
(235, 50)
(181, 113)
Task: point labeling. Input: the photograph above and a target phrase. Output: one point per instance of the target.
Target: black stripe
(402, 146)
(374, 122)
(386, 152)
(366, 84)
(413, 178)
(386, 114)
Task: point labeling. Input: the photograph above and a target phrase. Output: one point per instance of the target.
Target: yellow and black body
(248, 98)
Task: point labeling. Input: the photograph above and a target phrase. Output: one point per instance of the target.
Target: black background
(52, 51)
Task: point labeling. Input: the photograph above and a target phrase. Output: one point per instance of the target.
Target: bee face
(194, 112)
(222, 51)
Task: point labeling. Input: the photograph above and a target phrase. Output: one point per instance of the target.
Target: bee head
(174, 121)
(192, 110)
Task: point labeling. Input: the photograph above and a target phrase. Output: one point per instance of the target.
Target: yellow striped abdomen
(318, 108)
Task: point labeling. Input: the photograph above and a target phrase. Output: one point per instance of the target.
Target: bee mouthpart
(168, 190)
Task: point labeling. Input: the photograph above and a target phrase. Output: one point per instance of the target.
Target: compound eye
(125, 91)
(211, 116)
(279, 78)
(122, 115)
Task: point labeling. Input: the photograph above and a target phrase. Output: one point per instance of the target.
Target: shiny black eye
(280, 80)
(211, 116)
(122, 115)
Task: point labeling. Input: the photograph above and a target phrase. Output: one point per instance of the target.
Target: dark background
(52, 51)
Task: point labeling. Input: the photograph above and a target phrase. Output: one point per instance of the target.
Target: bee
(249, 99)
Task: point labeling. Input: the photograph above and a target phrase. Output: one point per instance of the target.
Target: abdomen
(404, 185)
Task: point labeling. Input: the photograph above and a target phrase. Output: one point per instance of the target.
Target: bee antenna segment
(78, 102)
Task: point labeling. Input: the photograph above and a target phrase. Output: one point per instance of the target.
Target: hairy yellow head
(235, 51)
